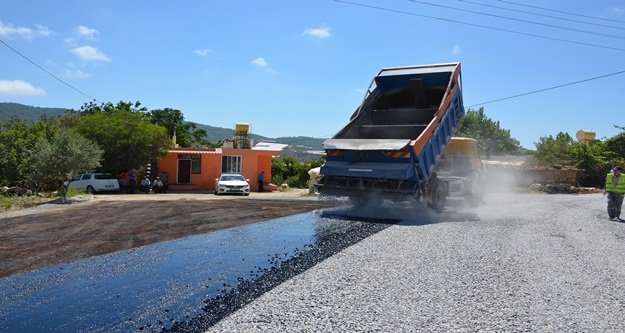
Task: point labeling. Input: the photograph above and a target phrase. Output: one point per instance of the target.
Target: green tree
(288, 169)
(187, 133)
(17, 140)
(616, 143)
(492, 139)
(125, 133)
(558, 150)
(55, 160)
(594, 160)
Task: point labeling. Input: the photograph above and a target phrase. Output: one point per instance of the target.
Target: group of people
(129, 184)
(157, 185)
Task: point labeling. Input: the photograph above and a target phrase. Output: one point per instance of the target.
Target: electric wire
(542, 15)
(518, 19)
(561, 11)
(547, 89)
(46, 71)
(479, 25)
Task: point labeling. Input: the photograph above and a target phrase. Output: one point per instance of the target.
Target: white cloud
(202, 52)
(321, 32)
(75, 74)
(456, 49)
(619, 9)
(19, 88)
(90, 53)
(260, 62)
(86, 32)
(8, 30)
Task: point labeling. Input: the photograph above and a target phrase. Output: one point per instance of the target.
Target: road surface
(57, 233)
(522, 263)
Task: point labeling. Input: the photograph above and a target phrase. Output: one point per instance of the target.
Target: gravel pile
(521, 263)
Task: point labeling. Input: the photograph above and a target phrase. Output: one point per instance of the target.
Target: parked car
(232, 183)
(94, 182)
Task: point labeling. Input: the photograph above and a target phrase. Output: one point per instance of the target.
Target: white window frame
(231, 160)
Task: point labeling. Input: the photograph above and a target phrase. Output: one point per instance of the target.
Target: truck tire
(439, 196)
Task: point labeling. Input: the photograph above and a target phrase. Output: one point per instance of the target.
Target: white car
(232, 183)
(94, 182)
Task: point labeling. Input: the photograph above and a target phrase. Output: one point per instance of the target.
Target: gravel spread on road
(520, 263)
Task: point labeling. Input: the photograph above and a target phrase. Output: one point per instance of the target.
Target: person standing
(615, 187)
(132, 181)
(261, 181)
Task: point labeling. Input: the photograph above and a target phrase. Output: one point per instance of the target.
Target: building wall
(252, 163)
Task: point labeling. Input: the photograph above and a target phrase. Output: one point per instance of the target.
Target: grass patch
(14, 202)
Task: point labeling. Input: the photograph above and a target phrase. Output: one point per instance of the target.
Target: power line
(46, 71)
(546, 89)
(479, 25)
(542, 15)
(518, 20)
(561, 11)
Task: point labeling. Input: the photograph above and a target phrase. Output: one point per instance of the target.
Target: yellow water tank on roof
(242, 128)
(585, 135)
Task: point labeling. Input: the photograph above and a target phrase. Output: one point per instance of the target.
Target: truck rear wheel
(439, 196)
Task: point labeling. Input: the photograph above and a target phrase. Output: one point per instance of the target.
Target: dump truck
(395, 138)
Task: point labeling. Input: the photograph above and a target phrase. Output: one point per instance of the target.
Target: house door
(184, 172)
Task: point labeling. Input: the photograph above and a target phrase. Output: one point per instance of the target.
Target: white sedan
(232, 183)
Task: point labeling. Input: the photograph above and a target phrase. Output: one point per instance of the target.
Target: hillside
(300, 147)
(27, 112)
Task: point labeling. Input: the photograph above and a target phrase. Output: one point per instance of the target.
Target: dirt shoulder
(54, 233)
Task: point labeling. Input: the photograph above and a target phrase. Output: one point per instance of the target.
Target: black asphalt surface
(184, 285)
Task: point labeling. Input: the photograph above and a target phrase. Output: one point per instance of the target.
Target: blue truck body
(394, 139)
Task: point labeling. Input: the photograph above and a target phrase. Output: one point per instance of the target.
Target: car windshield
(232, 177)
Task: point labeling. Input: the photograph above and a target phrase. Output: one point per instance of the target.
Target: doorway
(184, 172)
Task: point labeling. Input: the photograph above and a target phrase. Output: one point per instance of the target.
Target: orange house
(197, 168)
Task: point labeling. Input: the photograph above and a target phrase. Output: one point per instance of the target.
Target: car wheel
(246, 194)
(90, 189)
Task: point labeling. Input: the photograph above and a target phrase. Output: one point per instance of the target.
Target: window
(231, 164)
(105, 176)
(196, 162)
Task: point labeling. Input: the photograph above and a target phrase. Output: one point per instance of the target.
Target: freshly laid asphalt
(179, 286)
(519, 263)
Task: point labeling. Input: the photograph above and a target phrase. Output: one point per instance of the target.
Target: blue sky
(298, 67)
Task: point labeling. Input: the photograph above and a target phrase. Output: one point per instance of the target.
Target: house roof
(196, 151)
(269, 146)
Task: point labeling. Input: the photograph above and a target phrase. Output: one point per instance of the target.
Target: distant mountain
(301, 147)
(27, 112)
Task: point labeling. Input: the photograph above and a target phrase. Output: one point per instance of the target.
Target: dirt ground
(55, 233)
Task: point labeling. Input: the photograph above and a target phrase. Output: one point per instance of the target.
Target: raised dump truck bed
(396, 136)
